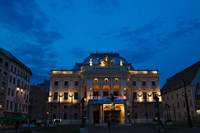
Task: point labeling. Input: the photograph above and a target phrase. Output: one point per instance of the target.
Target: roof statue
(106, 61)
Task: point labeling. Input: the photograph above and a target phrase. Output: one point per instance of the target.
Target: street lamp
(50, 96)
(158, 113)
(82, 120)
(29, 114)
(187, 106)
(112, 98)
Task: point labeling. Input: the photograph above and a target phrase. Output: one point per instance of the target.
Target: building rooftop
(177, 81)
(13, 58)
(110, 59)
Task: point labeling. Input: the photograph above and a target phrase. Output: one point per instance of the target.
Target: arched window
(106, 79)
(116, 80)
(96, 80)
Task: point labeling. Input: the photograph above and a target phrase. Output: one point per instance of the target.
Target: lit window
(116, 80)
(106, 79)
(95, 79)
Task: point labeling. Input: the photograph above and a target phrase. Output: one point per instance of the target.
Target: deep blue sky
(55, 34)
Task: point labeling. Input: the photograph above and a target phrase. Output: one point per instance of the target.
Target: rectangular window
(55, 83)
(66, 83)
(95, 93)
(115, 93)
(176, 95)
(10, 80)
(12, 93)
(76, 95)
(178, 105)
(11, 105)
(6, 65)
(75, 83)
(15, 70)
(134, 83)
(13, 80)
(11, 68)
(7, 104)
(153, 84)
(105, 93)
(143, 83)
(55, 96)
(65, 96)
(8, 91)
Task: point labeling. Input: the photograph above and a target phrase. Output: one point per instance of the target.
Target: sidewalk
(137, 129)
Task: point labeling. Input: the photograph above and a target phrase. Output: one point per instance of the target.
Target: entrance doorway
(113, 115)
(96, 117)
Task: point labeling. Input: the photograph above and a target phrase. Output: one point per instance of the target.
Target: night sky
(55, 34)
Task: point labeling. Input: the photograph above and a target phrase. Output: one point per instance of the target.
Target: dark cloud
(27, 19)
(40, 59)
(142, 43)
(185, 28)
(145, 42)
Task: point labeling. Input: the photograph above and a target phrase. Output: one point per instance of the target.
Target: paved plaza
(119, 129)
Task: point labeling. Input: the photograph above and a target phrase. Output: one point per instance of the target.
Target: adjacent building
(14, 85)
(104, 86)
(38, 101)
(181, 95)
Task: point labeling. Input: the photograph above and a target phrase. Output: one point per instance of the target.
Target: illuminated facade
(100, 77)
(14, 85)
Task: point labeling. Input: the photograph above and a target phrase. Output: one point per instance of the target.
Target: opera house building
(105, 86)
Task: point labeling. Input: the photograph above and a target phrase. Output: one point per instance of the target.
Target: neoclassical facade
(108, 87)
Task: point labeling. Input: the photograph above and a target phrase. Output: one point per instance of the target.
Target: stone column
(111, 85)
(101, 87)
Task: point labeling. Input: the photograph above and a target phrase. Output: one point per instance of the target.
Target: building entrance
(113, 115)
(96, 117)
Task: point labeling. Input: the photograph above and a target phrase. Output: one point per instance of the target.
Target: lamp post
(133, 107)
(112, 98)
(51, 121)
(158, 113)
(29, 115)
(187, 106)
(82, 118)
